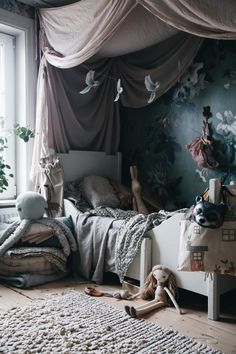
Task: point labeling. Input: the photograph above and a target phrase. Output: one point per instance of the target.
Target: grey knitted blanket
(16, 230)
(131, 233)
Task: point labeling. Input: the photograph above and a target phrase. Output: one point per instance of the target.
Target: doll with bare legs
(160, 286)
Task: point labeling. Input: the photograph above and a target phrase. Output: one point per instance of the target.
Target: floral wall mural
(156, 137)
(17, 7)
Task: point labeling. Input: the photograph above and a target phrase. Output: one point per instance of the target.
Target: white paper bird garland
(119, 90)
(151, 87)
(90, 82)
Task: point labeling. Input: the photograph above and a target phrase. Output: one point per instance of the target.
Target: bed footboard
(165, 249)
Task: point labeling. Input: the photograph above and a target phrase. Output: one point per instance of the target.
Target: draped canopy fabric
(117, 39)
(78, 31)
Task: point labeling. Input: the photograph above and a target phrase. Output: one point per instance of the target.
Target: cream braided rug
(76, 323)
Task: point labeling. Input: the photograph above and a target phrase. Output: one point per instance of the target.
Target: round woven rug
(76, 323)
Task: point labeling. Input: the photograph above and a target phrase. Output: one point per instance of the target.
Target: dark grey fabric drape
(91, 121)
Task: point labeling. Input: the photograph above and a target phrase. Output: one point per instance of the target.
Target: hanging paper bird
(90, 82)
(119, 90)
(151, 87)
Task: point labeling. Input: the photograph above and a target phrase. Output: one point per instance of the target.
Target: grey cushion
(98, 192)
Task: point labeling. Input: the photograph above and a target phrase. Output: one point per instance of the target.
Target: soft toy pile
(34, 249)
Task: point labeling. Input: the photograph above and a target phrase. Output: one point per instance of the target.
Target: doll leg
(143, 309)
(128, 308)
(173, 300)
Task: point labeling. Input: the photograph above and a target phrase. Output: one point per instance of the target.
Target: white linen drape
(74, 33)
(77, 31)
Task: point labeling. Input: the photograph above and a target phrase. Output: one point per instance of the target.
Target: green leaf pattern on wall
(17, 7)
(155, 137)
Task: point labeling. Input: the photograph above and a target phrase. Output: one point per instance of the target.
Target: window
(19, 30)
(228, 235)
(197, 256)
(196, 229)
(7, 105)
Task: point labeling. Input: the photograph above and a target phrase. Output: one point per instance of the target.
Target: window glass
(7, 108)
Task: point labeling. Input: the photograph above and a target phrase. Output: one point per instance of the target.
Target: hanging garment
(202, 147)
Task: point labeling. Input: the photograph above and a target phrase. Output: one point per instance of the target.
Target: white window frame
(7, 105)
(23, 28)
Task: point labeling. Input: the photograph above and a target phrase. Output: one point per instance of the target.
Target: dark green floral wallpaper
(17, 7)
(156, 136)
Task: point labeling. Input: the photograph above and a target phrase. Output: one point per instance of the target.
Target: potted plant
(23, 133)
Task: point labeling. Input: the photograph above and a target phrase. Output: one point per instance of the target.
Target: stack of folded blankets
(42, 254)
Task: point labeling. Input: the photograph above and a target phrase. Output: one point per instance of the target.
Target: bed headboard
(78, 164)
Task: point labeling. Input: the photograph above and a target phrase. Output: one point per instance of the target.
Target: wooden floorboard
(10, 298)
(220, 335)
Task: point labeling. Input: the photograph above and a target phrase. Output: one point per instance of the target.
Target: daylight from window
(7, 108)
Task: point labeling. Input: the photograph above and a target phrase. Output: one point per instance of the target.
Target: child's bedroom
(117, 176)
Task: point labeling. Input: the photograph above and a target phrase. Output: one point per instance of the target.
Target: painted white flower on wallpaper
(228, 122)
(190, 83)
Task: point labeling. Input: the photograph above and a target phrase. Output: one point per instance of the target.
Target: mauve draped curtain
(73, 39)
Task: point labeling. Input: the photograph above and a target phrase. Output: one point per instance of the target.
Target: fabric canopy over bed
(98, 54)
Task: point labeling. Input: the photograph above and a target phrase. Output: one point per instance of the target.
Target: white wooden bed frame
(161, 244)
(165, 249)
(78, 164)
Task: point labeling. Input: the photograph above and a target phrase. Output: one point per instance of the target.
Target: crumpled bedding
(28, 280)
(108, 240)
(33, 260)
(14, 232)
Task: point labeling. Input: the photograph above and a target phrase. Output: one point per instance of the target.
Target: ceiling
(47, 3)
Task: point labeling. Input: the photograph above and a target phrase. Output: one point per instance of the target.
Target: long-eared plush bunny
(160, 286)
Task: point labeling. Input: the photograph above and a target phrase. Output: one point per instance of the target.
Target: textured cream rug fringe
(76, 323)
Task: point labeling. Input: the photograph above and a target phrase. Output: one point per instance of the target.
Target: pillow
(67, 221)
(72, 191)
(37, 229)
(43, 235)
(37, 233)
(98, 192)
(123, 194)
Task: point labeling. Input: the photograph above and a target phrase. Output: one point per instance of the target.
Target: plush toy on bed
(31, 207)
(159, 284)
